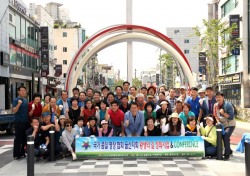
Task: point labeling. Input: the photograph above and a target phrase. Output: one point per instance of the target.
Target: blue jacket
(60, 102)
(205, 106)
(135, 126)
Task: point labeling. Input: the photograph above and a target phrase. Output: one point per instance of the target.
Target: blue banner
(158, 146)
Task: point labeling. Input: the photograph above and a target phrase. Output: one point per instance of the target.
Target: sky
(95, 15)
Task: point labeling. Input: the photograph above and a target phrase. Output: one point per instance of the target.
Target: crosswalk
(5, 148)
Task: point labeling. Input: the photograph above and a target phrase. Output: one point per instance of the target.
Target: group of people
(127, 111)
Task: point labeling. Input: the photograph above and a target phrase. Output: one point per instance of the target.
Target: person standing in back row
(20, 109)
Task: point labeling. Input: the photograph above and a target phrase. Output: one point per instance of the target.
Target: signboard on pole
(202, 63)
(44, 51)
(157, 146)
(235, 20)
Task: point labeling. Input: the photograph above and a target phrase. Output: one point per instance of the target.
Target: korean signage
(235, 19)
(58, 70)
(235, 78)
(191, 146)
(202, 63)
(44, 51)
(18, 6)
(5, 58)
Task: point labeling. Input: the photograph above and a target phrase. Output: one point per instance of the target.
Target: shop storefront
(230, 85)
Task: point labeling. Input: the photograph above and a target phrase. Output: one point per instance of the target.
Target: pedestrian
(105, 130)
(209, 136)
(134, 121)
(20, 109)
(224, 114)
(116, 116)
(175, 126)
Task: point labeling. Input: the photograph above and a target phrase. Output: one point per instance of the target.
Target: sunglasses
(68, 125)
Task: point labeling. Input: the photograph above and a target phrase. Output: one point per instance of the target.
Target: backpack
(235, 110)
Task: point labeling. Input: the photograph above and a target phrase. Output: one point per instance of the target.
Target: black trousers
(20, 139)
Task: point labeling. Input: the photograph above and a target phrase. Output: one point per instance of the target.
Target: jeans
(40, 152)
(20, 139)
(116, 130)
(210, 149)
(226, 138)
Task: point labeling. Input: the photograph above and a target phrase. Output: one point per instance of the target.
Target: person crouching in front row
(68, 139)
(209, 135)
(41, 139)
(134, 121)
(175, 126)
(91, 128)
(105, 130)
(191, 128)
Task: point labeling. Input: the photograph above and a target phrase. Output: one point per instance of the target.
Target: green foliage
(215, 29)
(136, 82)
(118, 82)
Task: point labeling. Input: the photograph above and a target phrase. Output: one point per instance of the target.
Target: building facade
(184, 38)
(234, 77)
(21, 44)
(43, 18)
(67, 42)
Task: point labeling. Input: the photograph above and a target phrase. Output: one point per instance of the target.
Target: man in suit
(134, 121)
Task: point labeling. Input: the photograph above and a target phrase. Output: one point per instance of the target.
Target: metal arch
(115, 29)
(137, 37)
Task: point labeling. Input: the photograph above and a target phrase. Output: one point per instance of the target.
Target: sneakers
(226, 157)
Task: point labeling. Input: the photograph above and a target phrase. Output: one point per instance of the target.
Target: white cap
(183, 87)
(104, 122)
(210, 118)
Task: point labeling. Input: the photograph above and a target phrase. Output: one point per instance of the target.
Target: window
(186, 51)
(236, 63)
(230, 64)
(64, 34)
(236, 3)
(64, 49)
(186, 41)
(227, 7)
(55, 47)
(176, 31)
(18, 27)
(64, 62)
(64, 75)
(11, 18)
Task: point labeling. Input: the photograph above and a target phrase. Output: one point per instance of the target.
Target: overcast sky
(95, 15)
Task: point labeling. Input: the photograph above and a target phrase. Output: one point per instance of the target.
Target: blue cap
(46, 113)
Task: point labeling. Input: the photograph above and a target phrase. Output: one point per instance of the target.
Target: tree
(118, 82)
(136, 82)
(215, 30)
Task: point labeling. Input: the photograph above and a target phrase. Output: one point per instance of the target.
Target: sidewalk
(167, 166)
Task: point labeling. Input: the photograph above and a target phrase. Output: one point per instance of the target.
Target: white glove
(19, 101)
(145, 128)
(163, 121)
(127, 123)
(42, 103)
(33, 106)
(201, 101)
(156, 123)
(77, 136)
(203, 137)
(73, 156)
(198, 127)
(60, 107)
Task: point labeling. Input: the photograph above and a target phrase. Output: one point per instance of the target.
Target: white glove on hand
(60, 107)
(203, 137)
(145, 128)
(33, 106)
(73, 156)
(163, 121)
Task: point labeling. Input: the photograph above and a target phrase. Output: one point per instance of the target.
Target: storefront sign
(87, 147)
(235, 20)
(44, 51)
(5, 58)
(58, 70)
(202, 63)
(235, 78)
(18, 6)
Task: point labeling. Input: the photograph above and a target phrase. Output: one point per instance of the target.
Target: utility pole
(135, 73)
(129, 44)
(160, 69)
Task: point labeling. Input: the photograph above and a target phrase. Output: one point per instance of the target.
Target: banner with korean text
(158, 146)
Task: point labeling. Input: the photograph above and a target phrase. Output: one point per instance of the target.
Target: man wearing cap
(117, 118)
(194, 102)
(183, 97)
(201, 93)
(105, 131)
(207, 104)
(134, 121)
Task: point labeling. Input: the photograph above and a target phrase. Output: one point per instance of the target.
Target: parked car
(7, 122)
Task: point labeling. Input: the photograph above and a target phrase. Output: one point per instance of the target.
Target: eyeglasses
(68, 125)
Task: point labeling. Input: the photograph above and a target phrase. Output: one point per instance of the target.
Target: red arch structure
(121, 28)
